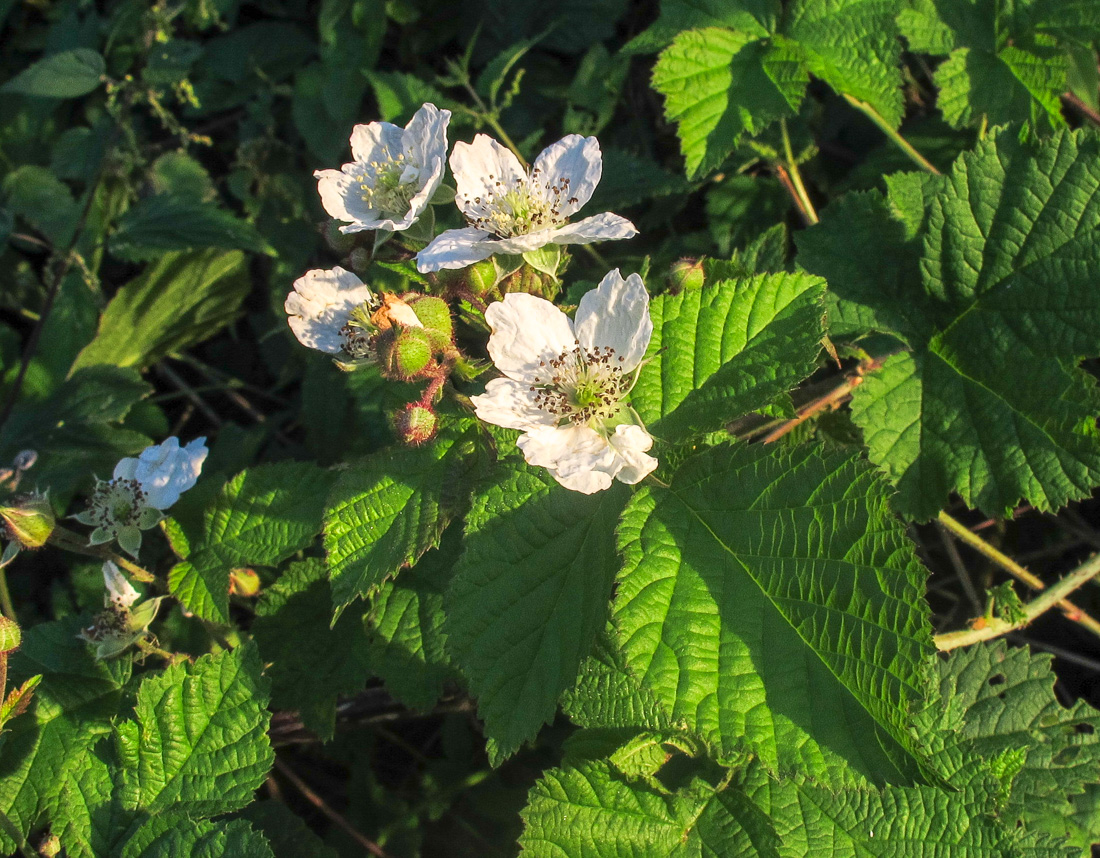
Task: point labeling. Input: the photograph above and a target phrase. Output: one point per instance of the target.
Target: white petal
(575, 158)
(576, 456)
(120, 592)
(377, 141)
(478, 166)
(432, 176)
(125, 469)
(166, 471)
(616, 314)
(630, 442)
(527, 330)
(426, 135)
(334, 188)
(523, 243)
(601, 227)
(455, 248)
(510, 404)
(319, 306)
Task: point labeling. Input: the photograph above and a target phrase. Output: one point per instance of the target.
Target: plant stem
(319, 803)
(899, 141)
(964, 534)
(65, 539)
(5, 599)
(800, 195)
(1050, 597)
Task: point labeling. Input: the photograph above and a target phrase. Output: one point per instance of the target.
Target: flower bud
(29, 520)
(359, 261)
(10, 636)
(416, 424)
(532, 281)
(338, 241)
(405, 353)
(244, 582)
(685, 274)
(482, 279)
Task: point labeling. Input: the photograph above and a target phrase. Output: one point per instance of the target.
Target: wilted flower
(511, 211)
(122, 623)
(393, 176)
(566, 382)
(140, 490)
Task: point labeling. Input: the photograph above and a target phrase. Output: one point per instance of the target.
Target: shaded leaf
(66, 74)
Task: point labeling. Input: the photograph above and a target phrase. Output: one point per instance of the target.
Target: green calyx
(405, 353)
(416, 424)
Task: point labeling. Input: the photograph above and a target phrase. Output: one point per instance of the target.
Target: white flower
(394, 175)
(566, 381)
(122, 623)
(511, 211)
(140, 490)
(320, 307)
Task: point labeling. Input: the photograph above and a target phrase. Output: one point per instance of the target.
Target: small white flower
(140, 490)
(122, 623)
(393, 176)
(566, 382)
(320, 308)
(511, 211)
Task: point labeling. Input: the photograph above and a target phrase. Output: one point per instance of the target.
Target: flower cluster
(565, 382)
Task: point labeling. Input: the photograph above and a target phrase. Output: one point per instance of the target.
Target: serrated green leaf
(729, 348)
(200, 737)
(994, 699)
(71, 709)
(181, 300)
(406, 623)
(166, 223)
(989, 403)
(591, 811)
(720, 84)
(529, 595)
(770, 601)
(755, 17)
(607, 694)
(168, 837)
(310, 664)
(385, 512)
(75, 428)
(853, 46)
(66, 74)
(262, 516)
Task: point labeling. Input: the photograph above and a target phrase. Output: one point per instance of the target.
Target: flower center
(388, 186)
(529, 205)
(582, 385)
(118, 503)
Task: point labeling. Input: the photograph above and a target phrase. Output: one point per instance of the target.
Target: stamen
(528, 206)
(582, 385)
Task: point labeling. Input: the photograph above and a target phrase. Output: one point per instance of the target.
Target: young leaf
(262, 516)
(198, 744)
(529, 595)
(173, 223)
(726, 349)
(720, 84)
(181, 300)
(66, 74)
(389, 509)
(310, 663)
(771, 603)
(989, 402)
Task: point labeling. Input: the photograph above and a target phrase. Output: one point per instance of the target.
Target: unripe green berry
(432, 312)
(29, 520)
(685, 274)
(482, 278)
(416, 424)
(405, 353)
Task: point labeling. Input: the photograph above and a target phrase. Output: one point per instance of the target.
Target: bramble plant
(421, 503)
